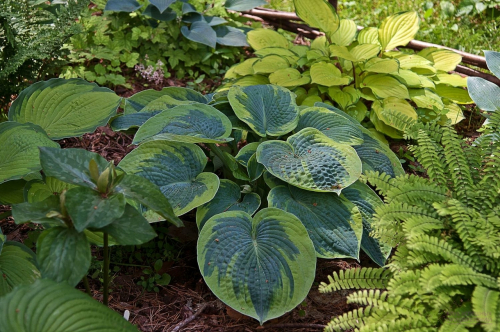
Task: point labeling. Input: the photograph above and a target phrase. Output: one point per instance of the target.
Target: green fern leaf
(348, 320)
(368, 278)
(486, 306)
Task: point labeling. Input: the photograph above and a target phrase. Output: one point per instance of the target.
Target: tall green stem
(106, 270)
(86, 284)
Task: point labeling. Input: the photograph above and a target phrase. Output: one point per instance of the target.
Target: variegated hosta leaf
(19, 154)
(141, 99)
(335, 126)
(333, 223)
(177, 169)
(65, 108)
(17, 267)
(262, 267)
(367, 201)
(312, 161)
(398, 30)
(267, 109)
(248, 158)
(228, 198)
(194, 123)
(262, 38)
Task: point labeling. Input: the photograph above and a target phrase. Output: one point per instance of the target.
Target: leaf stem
(106, 271)
(86, 284)
(354, 73)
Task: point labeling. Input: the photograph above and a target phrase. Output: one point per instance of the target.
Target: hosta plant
(362, 73)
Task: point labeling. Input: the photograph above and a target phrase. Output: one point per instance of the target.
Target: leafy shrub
(468, 7)
(360, 73)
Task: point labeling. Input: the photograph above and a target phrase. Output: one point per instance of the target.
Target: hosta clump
(355, 70)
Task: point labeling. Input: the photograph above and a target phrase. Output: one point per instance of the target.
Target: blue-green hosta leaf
(485, 94)
(333, 223)
(228, 198)
(262, 267)
(19, 154)
(177, 169)
(247, 157)
(273, 181)
(139, 100)
(367, 201)
(187, 8)
(335, 126)
(318, 14)
(267, 109)
(493, 62)
(312, 161)
(3, 238)
(63, 255)
(12, 192)
(17, 267)
(198, 17)
(131, 228)
(241, 5)
(229, 36)
(122, 5)
(39, 190)
(200, 32)
(65, 108)
(246, 153)
(162, 5)
(135, 120)
(46, 306)
(194, 123)
(153, 12)
(254, 168)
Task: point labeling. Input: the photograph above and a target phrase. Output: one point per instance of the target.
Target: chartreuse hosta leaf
(46, 306)
(194, 123)
(17, 266)
(177, 169)
(327, 74)
(392, 116)
(262, 38)
(288, 77)
(358, 53)
(456, 95)
(384, 86)
(19, 154)
(368, 36)
(444, 60)
(228, 198)
(65, 108)
(318, 14)
(262, 266)
(367, 201)
(333, 223)
(345, 34)
(381, 66)
(398, 30)
(454, 114)
(267, 109)
(269, 64)
(345, 97)
(312, 161)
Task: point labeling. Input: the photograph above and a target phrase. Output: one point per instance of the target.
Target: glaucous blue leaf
(200, 32)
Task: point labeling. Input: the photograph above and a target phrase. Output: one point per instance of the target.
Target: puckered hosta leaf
(456, 95)
(312, 161)
(398, 30)
(327, 74)
(200, 32)
(384, 86)
(262, 38)
(261, 267)
(485, 94)
(318, 14)
(333, 223)
(38, 190)
(368, 36)
(194, 123)
(269, 64)
(19, 154)
(46, 306)
(444, 60)
(425, 98)
(493, 62)
(345, 34)
(395, 112)
(65, 108)
(344, 97)
(17, 267)
(381, 66)
(177, 169)
(228, 198)
(267, 109)
(139, 100)
(288, 77)
(335, 126)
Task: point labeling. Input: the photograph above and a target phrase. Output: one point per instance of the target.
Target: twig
(191, 318)
(471, 72)
(294, 325)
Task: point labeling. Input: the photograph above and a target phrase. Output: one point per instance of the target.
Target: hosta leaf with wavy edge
(288, 54)
(484, 93)
(228, 198)
(262, 38)
(456, 95)
(381, 66)
(288, 77)
(65, 108)
(392, 110)
(200, 32)
(177, 169)
(451, 79)
(312, 161)
(333, 223)
(194, 123)
(269, 64)
(153, 12)
(454, 114)
(262, 266)
(19, 154)
(345, 34)
(267, 109)
(335, 126)
(398, 30)
(383, 128)
(344, 97)
(444, 60)
(327, 74)
(17, 267)
(46, 306)
(38, 190)
(358, 53)
(367, 201)
(318, 14)
(384, 86)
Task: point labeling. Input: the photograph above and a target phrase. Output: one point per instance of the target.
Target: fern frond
(404, 283)
(415, 226)
(430, 155)
(398, 120)
(486, 306)
(490, 139)
(410, 324)
(430, 277)
(368, 278)
(433, 129)
(488, 189)
(348, 320)
(454, 274)
(461, 319)
(415, 193)
(382, 182)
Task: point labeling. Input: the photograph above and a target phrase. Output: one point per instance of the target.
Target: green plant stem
(354, 73)
(228, 174)
(86, 284)
(106, 271)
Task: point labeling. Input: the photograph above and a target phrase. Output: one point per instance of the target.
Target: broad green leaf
(267, 109)
(288, 77)
(318, 14)
(453, 79)
(19, 154)
(210, 20)
(254, 168)
(262, 38)
(262, 267)
(384, 86)
(367, 201)
(162, 5)
(312, 161)
(311, 100)
(383, 128)
(425, 98)
(252, 80)
(37, 212)
(246, 153)
(63, 255)
(269, 64)
(17, 267)
(395, 112)
(139, 100)
(277, 51)
(247, 157)
(333, 223)
(418, 64)
(131, 228)
(97, 238)
(46, 306)
(128, 121)
(358, 111)
(408, 78)
(368, 36)
(194, 123)
(381, 66)
(358, 53)
(321, 44)
(229, 36)
(444, 60)
(327, 74)
(65, 108)
(335, 126)
(344, 97)
(345, 34)
(273, 181)
(89, 209)
(246, 67)
(176, 168)
(241, 5)
(38, 190)
(228, 198)
(12, 192)
(485, 94)
(456, 95)
(200, 32)
(398, 30)
(454, 114)
(493, 62)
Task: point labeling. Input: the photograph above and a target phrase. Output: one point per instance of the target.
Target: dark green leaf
(12, 192)
(17, 267)
(131, 228)
(36, 211)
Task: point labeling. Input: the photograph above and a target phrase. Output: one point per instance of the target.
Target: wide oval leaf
(484, 93)
(194, 123)
(493, 62)
(200, 32)
(312, 161)
(333, 223)
(262, 38)
(288, 77)
(327, 74)
(456, 95)
(46, 306)
(269, 64)
(177, 169)
(444, 60)
(398, 30)
(12, 192)
(229, 36)
(262, 267)
(345, 34)
(318, 14)
(384, 86)
(38, 190)
(17, 267)
(240, 5)
(267, 109)
(131, 228)
(139, 100)
(122, 5)
(162, 5)
(65, 108)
